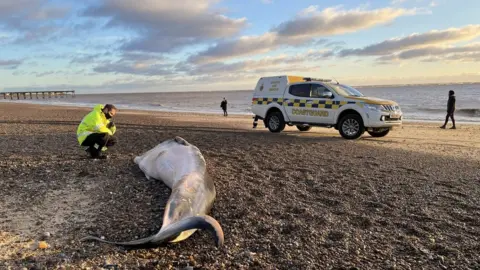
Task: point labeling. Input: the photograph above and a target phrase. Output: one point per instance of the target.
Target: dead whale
(181, 166)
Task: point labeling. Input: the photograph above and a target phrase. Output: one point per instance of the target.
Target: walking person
(450, 109)
(223, 105)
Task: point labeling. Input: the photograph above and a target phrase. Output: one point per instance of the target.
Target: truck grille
(391, 108)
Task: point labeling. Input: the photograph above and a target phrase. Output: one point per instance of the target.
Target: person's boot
(453, 127)
(96, 153)
(90, 150)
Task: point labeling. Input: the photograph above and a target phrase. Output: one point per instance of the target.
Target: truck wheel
(351, 126)
(275, 122)
(304, 128)
(379, 132)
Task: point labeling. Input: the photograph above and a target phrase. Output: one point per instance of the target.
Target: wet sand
(294, 200)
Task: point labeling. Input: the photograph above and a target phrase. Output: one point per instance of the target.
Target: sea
(418, 102)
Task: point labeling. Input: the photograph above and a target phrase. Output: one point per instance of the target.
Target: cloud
(246, 45)
(430, 51)
(85, 26)
(25, 14)
(40, 33)
(334, 21)
(466, 53)
(10, 64)
(8, 7)
(32, 20)
(30, 9)
(308, 25)
(163, 26)
(267, 64)
(336, 44)
(6, 39)
(87, 58)
(134, 65)
(399, 2)
(141, 56)
(434, 37)
(419, 79)
(157, 43)
(464, 57)
(42, 74)
(49, 13)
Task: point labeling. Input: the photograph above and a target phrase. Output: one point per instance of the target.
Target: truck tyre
(379, 133)
(275, 122)
(351, 126)
(303, 128)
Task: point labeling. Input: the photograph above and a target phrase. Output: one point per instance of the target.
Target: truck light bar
(308, 79)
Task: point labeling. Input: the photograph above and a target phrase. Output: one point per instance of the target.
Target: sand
(294, 200)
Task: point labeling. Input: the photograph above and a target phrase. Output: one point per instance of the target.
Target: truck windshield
(346, 90)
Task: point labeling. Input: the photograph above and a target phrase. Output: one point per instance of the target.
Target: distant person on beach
(450, 109)
(96, 130)
(223, 105)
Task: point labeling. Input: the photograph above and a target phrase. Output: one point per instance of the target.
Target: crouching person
(96, 130)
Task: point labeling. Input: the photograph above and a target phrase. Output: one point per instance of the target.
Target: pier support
(56, 94)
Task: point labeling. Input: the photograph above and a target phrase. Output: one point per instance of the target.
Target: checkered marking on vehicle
(303, 103)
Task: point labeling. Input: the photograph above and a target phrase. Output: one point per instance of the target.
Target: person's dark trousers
(449, 115)
(97, 141)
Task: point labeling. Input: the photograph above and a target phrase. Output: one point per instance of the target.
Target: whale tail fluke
(173, 231)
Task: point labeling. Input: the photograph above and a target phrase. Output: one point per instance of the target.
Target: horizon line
(358, 86)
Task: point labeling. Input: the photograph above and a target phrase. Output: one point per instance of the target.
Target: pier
(38, 94)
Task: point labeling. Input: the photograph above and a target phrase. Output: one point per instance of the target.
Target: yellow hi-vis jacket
(94, 122)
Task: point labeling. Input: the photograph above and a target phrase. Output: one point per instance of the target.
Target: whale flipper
(181, 140)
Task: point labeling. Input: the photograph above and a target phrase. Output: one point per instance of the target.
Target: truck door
(321, 105)
(295, 100)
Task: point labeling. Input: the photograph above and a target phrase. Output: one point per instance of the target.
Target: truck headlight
(374, 107)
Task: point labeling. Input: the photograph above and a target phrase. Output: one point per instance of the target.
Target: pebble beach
(293, 200)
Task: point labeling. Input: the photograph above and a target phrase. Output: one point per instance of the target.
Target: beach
(293, 200)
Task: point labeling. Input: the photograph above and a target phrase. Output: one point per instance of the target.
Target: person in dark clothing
(223, 105)
(450, 109)
(95, 143)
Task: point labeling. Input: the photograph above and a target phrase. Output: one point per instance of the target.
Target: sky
(98, 46)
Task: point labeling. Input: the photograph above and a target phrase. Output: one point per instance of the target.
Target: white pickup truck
(307, 102)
